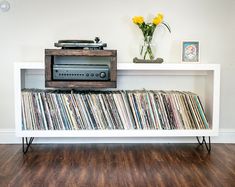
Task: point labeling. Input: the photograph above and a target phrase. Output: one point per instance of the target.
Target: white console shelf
(203, 79)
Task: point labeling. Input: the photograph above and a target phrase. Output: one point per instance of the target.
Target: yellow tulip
(160, 15)
(158, 19)
(138, 19)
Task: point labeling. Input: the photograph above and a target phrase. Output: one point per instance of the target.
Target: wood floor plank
(112, 165)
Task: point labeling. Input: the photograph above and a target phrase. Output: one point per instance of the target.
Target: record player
(95, 44)
(80, 64)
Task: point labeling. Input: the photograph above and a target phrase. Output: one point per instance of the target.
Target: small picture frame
(190, 51)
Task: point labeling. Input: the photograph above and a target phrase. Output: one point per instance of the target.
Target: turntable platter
(75, 41)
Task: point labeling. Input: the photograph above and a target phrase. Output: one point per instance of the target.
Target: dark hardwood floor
(113, 165)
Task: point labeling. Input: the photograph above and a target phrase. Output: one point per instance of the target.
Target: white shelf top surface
(133, 66)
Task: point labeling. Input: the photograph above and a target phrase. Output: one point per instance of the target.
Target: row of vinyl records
(135, 109)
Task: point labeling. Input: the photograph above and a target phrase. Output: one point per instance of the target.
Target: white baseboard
(7, 136)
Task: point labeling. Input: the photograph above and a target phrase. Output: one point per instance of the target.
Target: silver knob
(102, 75)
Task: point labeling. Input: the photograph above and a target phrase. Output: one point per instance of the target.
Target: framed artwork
(190, 51)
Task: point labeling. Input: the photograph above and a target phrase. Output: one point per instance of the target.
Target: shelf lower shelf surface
(117, 133)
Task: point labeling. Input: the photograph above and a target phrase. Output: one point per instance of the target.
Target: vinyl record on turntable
(76, 41)
(81, 44)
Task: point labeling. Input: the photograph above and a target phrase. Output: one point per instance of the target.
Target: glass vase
(148, 50)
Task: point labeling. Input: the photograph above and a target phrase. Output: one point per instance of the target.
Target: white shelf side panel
(203, 79)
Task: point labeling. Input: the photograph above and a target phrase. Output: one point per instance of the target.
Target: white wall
(31, 26)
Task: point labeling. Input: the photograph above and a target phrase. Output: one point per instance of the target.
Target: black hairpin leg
(207, 144)
(26, 144)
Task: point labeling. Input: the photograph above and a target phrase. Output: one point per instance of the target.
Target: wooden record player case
(50, 55)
